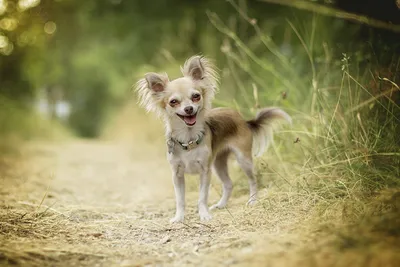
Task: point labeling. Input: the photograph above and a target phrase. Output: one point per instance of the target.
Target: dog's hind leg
(221, 168)
(245, 161)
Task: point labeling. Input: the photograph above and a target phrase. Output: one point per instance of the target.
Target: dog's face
(180, 100)
(183, 100)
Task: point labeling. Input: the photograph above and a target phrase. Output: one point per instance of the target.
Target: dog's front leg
(205, 178)
(179, 186)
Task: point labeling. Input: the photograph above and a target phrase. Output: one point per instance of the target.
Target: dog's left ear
(194, 68)
(203, 72)
(200, 68)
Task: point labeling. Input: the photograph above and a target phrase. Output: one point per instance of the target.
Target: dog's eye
(195, 97)
(173, 102)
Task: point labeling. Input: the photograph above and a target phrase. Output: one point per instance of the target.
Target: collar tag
(193, 143)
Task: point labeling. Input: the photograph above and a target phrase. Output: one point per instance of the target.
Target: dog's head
(183, 98)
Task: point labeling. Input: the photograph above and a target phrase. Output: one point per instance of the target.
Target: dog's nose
(188, 110)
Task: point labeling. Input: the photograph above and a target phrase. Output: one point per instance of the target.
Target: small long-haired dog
(199, 137)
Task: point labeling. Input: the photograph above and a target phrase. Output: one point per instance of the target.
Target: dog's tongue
(190, 119)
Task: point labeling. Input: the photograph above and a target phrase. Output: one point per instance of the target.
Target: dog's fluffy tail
(262, 129)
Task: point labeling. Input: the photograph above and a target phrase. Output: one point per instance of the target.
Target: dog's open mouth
(190, 120)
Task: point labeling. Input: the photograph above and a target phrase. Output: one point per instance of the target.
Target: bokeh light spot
(8, 24)
(3, 41)
(3, 6)
(26, 4)
(50, 27)
(6, 47)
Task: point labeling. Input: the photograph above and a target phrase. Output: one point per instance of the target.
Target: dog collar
(188, 146)
(193, 143)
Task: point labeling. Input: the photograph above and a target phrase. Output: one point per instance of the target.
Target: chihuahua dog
(199, 137)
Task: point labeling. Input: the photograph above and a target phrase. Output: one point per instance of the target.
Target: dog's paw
(217, 206)
(177, 219)
(251, 202)
(205, 216)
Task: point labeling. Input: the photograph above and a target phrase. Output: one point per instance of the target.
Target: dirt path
(108, 204)
(93, 203)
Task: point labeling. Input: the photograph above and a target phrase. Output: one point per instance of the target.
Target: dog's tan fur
(185, 105)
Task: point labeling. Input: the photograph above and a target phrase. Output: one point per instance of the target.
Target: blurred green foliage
(93, 51)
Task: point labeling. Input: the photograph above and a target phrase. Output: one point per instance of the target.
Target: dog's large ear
(150, 90)
(199, 68)
(156, 82)
(204, 74)
(194, 68)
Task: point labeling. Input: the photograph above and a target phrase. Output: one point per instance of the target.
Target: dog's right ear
(150, 90)
(204, 74)
(156, 82)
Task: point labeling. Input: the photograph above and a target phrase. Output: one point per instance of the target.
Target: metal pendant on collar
(193, 143)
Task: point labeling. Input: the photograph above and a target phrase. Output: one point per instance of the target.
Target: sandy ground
(107, 203)
(110, 205)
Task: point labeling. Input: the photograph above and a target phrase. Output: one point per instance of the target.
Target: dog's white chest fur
(193, 161)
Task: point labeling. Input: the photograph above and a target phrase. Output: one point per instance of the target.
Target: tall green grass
(343, 151)
(345, 137)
